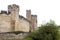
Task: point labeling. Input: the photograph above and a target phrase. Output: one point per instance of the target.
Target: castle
(11, 20)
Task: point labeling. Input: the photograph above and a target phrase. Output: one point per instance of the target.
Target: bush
(48, 31)
(15, 32)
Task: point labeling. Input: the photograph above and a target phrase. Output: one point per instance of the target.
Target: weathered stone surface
(12, 35)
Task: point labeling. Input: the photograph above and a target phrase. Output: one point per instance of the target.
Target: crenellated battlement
(3, 12)
(34, 15)
(28, 10)
(13, 6)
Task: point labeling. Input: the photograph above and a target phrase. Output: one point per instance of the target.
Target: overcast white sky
(44, 9)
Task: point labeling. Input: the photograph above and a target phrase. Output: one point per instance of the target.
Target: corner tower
(32, 19)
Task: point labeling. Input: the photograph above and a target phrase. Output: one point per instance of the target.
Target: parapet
(3, 12)
(34, 15)
(13, 6)
(28, 10)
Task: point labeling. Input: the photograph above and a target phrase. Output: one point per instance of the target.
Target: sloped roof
(21, 17)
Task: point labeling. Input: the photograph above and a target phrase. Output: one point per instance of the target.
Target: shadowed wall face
(34, 22)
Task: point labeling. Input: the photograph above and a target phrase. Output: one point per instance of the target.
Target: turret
(14, 11)
(32, 19)
(28, 14)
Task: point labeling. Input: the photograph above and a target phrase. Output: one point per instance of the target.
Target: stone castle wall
(5, 23)
(23, 25)
(11, 22)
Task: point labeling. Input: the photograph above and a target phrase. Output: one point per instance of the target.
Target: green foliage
(15, 32)
(48, 31)
(27, 38)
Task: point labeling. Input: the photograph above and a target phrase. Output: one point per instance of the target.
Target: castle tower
(32, 19)
(13, 10)
(34, 22)
(28, 14)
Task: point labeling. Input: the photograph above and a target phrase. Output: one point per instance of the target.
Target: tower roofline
(13, 5)
(28, 10)
(34, 15)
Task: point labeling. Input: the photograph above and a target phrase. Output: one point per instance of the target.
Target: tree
(49, 31)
